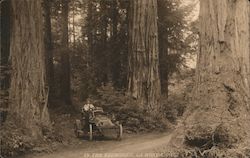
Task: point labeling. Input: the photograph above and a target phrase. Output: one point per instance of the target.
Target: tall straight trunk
(65, 58)
(48, 47)
(73, 26)
(90, 33)
(143, 75)
(124, 56)
(166, 91)
(103, 28)
(114, 19)
(28, 93)
(116, 54)
(163, 66)
(5, 44)
(163, 47)
(221, 95)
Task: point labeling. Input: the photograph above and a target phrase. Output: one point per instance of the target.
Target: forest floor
(133, 145)
(139, 144)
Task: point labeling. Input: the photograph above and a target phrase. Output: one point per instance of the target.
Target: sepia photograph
(125, 79)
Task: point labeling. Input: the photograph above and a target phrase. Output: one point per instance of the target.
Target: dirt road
(146, 145)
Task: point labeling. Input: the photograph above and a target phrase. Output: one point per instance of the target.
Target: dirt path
(130, 146)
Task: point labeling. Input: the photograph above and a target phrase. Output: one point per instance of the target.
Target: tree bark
(5, 44)
(65, 58)
(73, 25)
(163, 47)
(28, 93)
(164, 75)
(90, 33)
(116, 54)
(221, 95)
(114, 19)
(48, 47)
(143, 75)
(105, 78)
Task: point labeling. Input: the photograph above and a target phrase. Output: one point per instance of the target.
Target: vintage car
(97, 123)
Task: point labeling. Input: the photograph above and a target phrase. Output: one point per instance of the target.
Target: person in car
(87, 112)
(88, 106)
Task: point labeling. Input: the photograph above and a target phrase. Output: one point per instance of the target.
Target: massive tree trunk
(28, 93)
(221, 95)
(65, 58)
(143, 75)
(48, 47)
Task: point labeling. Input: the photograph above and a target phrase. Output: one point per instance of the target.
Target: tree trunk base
(222, 117)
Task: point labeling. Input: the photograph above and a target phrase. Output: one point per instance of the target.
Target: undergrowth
(133, 117)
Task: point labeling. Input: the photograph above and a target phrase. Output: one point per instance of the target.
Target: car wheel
(120, 132)
(90, 132)
(77, 128)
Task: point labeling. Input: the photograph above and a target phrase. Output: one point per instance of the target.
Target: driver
(88, 106)
(86, 110)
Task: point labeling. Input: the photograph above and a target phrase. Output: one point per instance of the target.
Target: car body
(97, 123)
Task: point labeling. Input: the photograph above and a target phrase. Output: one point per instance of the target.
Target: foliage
(180, 93)
(102, 42)
(83, 79)
(173, 107)
(14, 140)
(134, 118)
(127, 112)
(106, 32)
(176, 38)
(211, 153)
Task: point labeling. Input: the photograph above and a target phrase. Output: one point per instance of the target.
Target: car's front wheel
(77, 128)
(119, 137)
(90, 132)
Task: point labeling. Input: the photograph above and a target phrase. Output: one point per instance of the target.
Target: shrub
(133, 117)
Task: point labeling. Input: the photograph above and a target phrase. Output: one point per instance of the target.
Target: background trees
(82, 49)
(98, 34)
(102, 49)
(174, 38)
(92, 37)
(172, 25)
(65, 92)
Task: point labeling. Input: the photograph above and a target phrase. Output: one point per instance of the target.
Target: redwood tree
(48, 47)
(143, 75)
(221, 95)
(4, 52)
(5, 44)
(65, 58)
(28, 94)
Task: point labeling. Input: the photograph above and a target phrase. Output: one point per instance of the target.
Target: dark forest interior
(154, 66)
